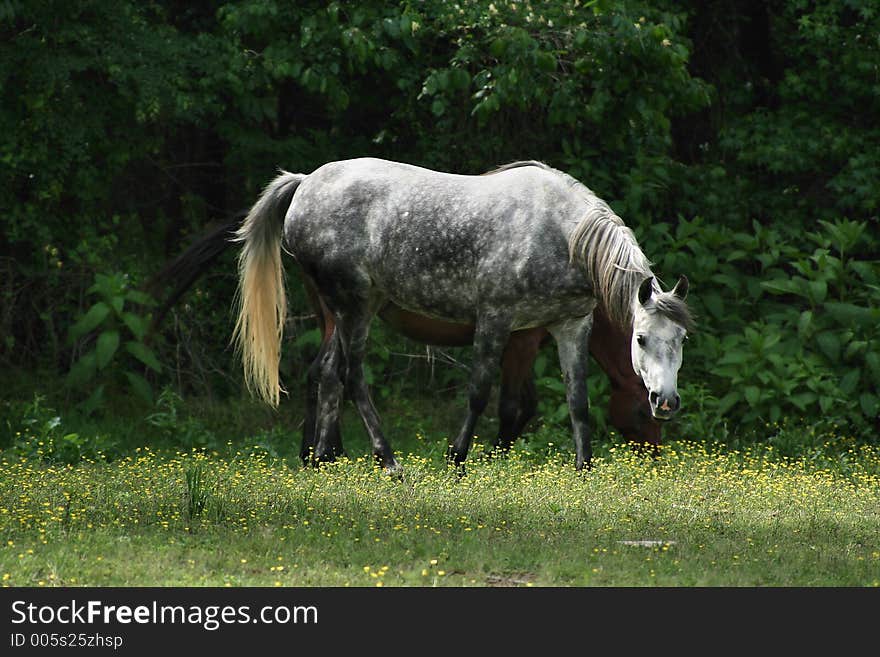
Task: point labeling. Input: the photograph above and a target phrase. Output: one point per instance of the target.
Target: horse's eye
(641, 340)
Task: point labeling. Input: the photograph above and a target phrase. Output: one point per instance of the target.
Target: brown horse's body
(630, 410)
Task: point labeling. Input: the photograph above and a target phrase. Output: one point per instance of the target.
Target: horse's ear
(681, 288)
(645, 290)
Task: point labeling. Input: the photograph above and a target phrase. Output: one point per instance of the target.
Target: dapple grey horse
(524, 246)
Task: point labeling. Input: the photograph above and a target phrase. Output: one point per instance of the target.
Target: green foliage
(108, 324)
(195, 494)
(783, 333)
(553, 409)
(740, 141)
(591, 88)
(179, 428)
(820, 139)
(550, 386)
(35, 430)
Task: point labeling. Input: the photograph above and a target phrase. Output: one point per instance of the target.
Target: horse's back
(436, 242)
(348, 181)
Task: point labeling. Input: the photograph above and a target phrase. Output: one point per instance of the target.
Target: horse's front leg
(572, 342)
(490, 336)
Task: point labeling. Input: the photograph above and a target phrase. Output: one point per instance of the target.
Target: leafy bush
(739, 140)
(36, 430)
(179, 428)
(102, 329)
(784, 334)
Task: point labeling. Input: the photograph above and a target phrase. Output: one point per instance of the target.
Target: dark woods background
(740, 140)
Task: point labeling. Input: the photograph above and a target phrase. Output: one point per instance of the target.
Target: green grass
(209, 494)
(230, 515)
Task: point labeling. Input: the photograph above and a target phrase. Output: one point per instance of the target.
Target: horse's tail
(181, 272)
(261, 301)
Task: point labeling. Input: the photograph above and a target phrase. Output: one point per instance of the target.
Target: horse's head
(660, 324)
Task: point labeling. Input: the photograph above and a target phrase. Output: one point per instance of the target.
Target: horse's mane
(607, 249)
(573, 182)
(519, 164)
(611, 256)
(672, 306)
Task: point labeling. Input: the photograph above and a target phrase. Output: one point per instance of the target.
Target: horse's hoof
(391, 467)
(457, 465)
(453, 457)
(499, 450)
(319, 458)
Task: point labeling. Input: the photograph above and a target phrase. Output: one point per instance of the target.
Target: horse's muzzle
(663, 407)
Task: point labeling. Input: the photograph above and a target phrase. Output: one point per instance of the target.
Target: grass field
(244, 513)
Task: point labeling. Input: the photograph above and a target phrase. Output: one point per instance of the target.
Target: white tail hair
(260, 298)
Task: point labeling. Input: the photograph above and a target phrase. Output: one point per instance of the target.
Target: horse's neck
(610, 346)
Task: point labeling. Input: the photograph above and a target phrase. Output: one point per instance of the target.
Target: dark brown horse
(630, 411)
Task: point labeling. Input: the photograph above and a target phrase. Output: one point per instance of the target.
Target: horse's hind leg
(310, 420)
(325, 366)
(323, 404)
(354, 328)
(572, 343)
(490, 337)
(313, 382)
